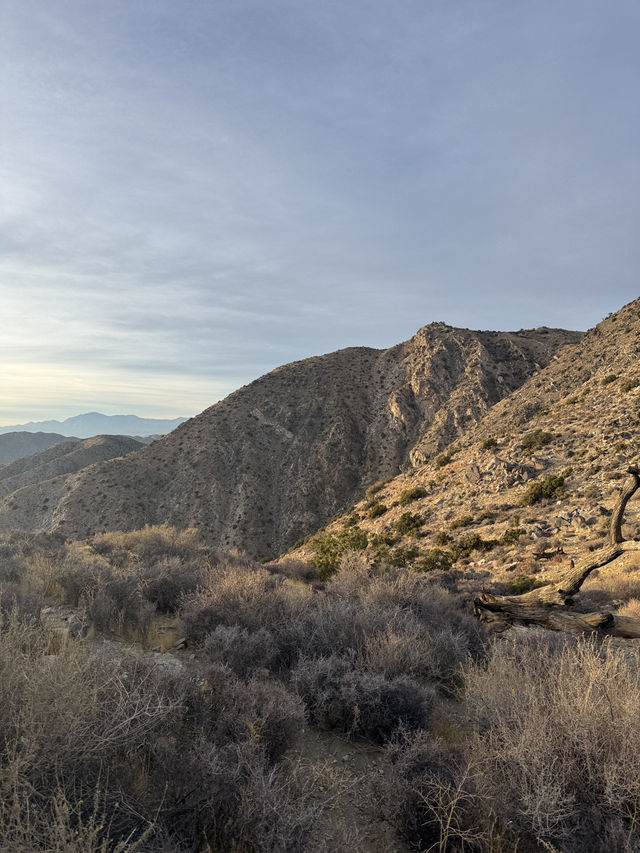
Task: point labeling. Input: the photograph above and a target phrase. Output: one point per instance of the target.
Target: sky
(193, 192)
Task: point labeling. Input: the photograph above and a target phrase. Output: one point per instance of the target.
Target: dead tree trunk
(549, 606)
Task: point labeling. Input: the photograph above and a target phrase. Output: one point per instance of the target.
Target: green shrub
(375, 488)
(446, 457)
(434, 559)
(409, 524)
(329, 548)
(442, 538)
(463, 547)
(413, 494)
(512, 535)
(463, 521)
(489, 444)
(522, 583)
(377, 510)
(551, 487)
(609, 379)
(401, 556)
(536, 440)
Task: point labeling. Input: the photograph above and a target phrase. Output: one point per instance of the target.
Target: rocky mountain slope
(95, 423)
(16, 445)
(64, 458)
(280, 456)
(540, 471)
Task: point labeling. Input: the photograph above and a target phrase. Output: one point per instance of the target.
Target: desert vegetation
(491, 744)
(105, 748)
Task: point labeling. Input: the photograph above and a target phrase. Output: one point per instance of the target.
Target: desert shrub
(462, 548)
(551, 487)
(607, 588)
(445, 458)
(429, 796)
(149, 544)
(26, 606)
(512, 534)
(535, 440)
(335, 625)
(377, 510)
(12, 565)
(290, 567)
(242, 651)
(442, 538)
(329, 548)
(521, 583)
(401, 556)
(102, 753)
(375, 488)
(434, 559)
(462, 521)
(611, 377)
(167, 580)
(379, 546)
(410, 495)
(231, 710)
(66, 715)
(556, 731)
(489, 444)
(118, 603)
(232, 796)
(393, 591)
(251, 599)
(409, 524)
(360, 704)
(413, 648)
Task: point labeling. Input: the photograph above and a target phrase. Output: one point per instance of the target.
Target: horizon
(101, 414)
(197, 194)
(44, 416)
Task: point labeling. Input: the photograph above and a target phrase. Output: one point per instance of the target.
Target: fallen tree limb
(548, 605)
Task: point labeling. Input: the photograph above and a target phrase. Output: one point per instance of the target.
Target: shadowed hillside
(16, 445)
(63, 458)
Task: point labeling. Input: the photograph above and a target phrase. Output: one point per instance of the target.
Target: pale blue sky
(194, 192)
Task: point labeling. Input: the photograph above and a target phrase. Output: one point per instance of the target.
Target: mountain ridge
(278, 457)
(89, 424)
(539, 471)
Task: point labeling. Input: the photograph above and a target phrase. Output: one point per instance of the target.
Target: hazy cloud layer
(193, 193)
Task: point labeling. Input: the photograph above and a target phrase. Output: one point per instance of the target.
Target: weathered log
(548, 605)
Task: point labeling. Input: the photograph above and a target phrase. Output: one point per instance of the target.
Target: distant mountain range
(95, 423)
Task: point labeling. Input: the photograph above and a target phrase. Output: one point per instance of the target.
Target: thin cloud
(195, 194)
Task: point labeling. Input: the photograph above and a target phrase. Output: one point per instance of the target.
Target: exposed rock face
(575, 422)
(277, 458)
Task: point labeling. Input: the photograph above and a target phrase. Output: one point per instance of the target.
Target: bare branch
(545, 606)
